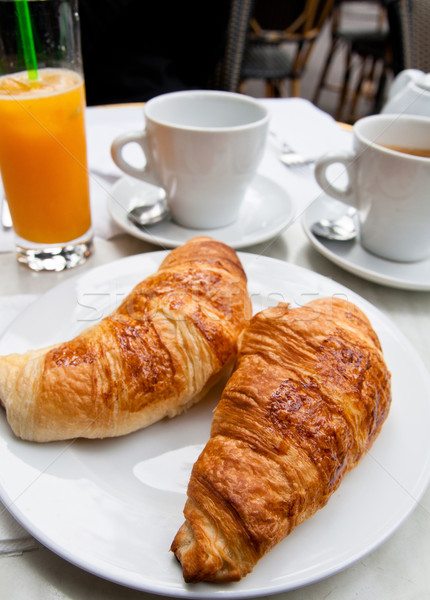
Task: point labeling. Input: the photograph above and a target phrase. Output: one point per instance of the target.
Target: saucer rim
(257, 237)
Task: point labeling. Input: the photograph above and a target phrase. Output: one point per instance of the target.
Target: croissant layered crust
(156, 355)
(306, 400)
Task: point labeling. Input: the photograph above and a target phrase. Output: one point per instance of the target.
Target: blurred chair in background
(279, 42)
(368, 52)
(227, 73)
(414, 22)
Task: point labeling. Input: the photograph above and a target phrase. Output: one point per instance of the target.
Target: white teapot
(409, 94)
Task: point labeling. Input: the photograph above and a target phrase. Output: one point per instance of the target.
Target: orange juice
(43, 159)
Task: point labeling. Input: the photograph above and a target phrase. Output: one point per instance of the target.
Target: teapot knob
(403, 79)
(424, 82)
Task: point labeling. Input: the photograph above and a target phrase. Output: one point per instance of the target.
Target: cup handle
(345, 158)
(146, 173)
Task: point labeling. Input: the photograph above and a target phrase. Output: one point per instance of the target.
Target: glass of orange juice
(43, 156)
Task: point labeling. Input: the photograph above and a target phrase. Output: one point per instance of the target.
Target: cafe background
(258, 47)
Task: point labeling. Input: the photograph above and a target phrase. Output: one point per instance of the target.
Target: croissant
(308, 396)
(155, 356)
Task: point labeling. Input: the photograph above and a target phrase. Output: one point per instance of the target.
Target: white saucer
(266, 210)
(352, 257)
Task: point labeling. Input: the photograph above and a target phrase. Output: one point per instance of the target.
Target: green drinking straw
(26, 32)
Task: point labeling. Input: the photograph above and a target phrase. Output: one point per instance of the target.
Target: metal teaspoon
(149, 214)
(341, 229)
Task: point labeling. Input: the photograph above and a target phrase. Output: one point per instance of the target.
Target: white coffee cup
(390, 188)
(203, 148)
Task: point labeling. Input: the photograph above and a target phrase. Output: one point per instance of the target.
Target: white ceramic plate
(113, 506)
(266, 211)
(352, 257)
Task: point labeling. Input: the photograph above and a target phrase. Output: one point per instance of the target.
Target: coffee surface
(424, 152)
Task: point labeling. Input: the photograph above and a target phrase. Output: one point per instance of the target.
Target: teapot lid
(424, 82)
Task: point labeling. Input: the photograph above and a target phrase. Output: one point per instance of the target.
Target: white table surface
(396, 570)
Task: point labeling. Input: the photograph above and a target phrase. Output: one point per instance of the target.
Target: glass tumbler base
(54, 257)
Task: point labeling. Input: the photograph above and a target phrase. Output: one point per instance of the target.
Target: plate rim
(184, 591)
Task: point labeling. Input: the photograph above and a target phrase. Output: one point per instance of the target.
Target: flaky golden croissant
(154, 356)
(306, 400)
